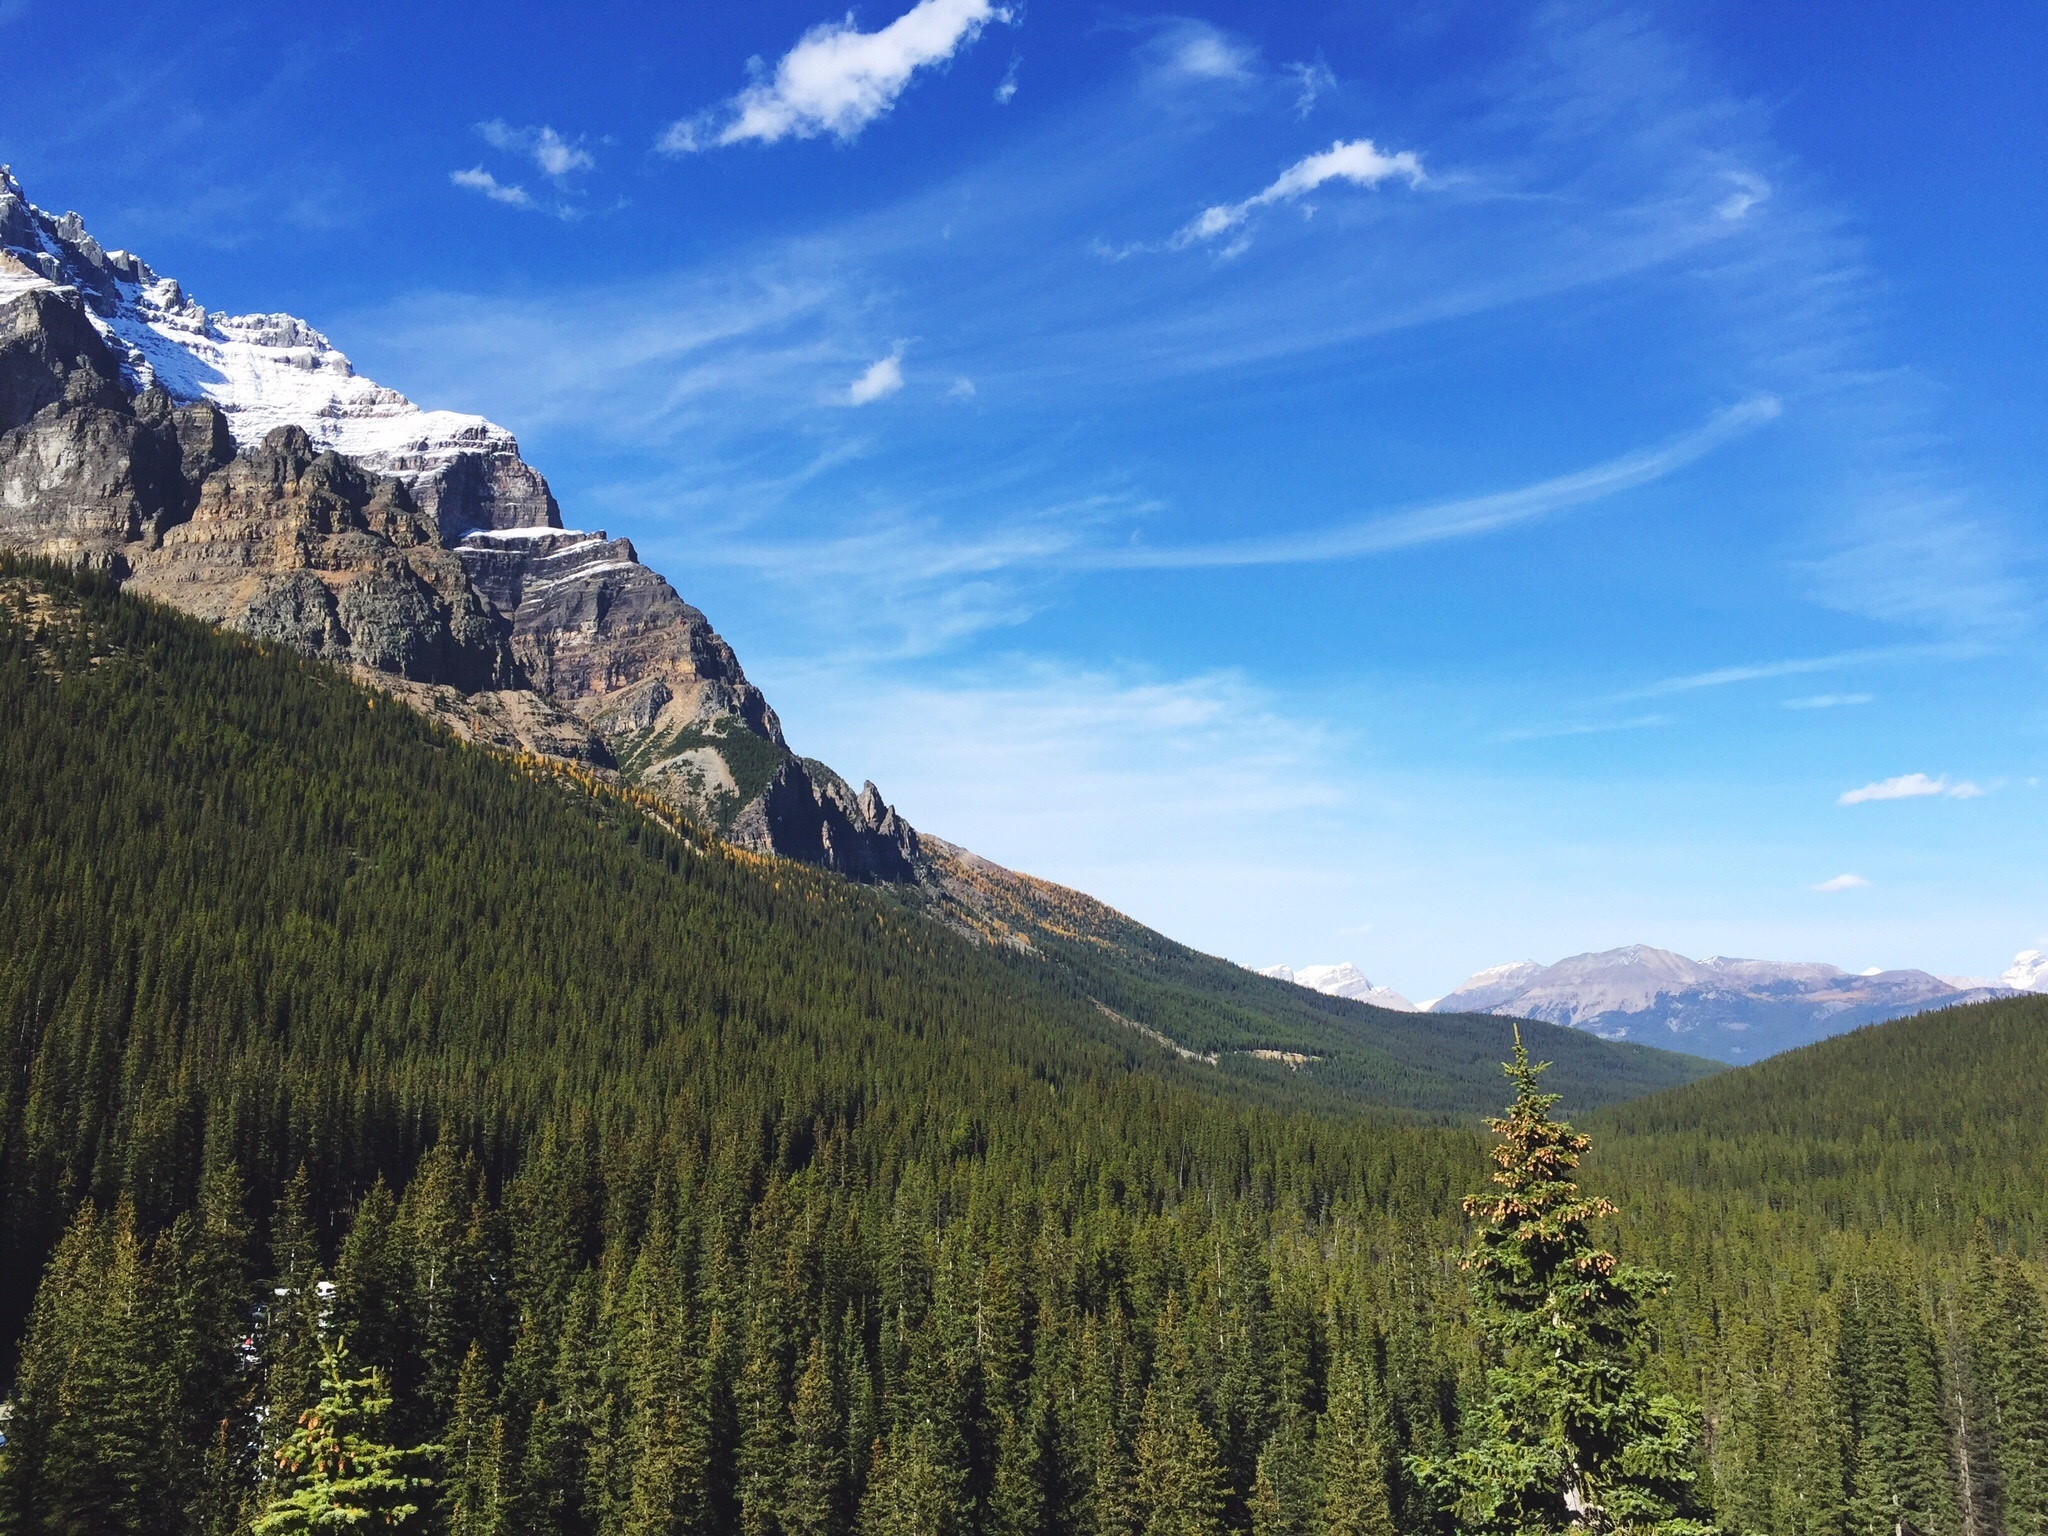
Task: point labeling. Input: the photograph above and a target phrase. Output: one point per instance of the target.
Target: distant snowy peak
(1733, 1009)
(2027, 973)
(269, 371)
(1344, 980)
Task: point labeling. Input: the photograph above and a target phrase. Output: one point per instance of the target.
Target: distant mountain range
(1728, 1009)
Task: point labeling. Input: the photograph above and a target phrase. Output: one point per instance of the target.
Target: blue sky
(1425, 485)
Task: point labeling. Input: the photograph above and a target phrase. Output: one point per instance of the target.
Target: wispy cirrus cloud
(1909, 786)
(1583, 728)
(1829, 700)
(553, 155)
(1843, 883)
(837, 79)
(1186, 49)
(477, 179)
(1360, 162)
(1793, 666)
(556, 157)
(1465, 517)
(1313, 81)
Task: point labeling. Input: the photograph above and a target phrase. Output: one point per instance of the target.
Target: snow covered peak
(2027, 973)
(269, 371)
(1343, 980)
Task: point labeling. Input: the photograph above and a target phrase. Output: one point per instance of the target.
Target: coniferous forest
(398, 1136)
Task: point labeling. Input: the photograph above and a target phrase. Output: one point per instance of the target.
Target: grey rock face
(281, 521)
(611, 641)
(485, 486)
(50, 352)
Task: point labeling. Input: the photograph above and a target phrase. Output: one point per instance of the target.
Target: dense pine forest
(389, 1121)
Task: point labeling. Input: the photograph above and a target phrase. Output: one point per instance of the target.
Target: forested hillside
(668, 1190)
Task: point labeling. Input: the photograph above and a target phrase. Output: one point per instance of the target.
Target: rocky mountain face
(237, 467)
(1731, 1010)
(1344, 980)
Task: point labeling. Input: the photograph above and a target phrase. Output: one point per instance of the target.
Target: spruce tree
(337, 1471)
(811, 1483)
(1180, 1489)
(2012, 1332)
(1283, 1486)
(1351, 1476)
(472, 1480)
(1570, 1437)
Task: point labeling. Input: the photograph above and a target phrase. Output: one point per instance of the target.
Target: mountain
(1726, 1009)
(237, 466)
(1345, 980)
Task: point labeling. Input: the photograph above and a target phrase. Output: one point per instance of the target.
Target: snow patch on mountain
(270, 371)
(2028, 972)
(1344, 980)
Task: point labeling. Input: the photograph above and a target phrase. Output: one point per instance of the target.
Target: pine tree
(1570, 1437)
(1180, 1483)
(2011, 1325)
(811, 1484)
(337, 1472)
(472, 1483)
(1283, 1487)
(914, 1487)
(1351, 1480)
(88, 1446)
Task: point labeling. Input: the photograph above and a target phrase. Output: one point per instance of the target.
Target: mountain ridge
(1731, 1009)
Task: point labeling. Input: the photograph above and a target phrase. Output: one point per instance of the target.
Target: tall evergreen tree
(1351, 1475)
(811, 1486)
(1180, 1488)
(472, 1483)
(2010, 1359)
(338, 1472)
(1570, 1437)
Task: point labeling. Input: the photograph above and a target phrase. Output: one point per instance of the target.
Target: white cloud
(1468, 516)
(838, 79)
(1843, 883)
(1909, 786)
(551, 153)
(1829, 700)
(1722, 677)
(1313, 80)
(1006, 92)
(882, 379)
(1182, 50)
(963, 388)
(1358, 161)
(477, 179)
(1584, 728)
